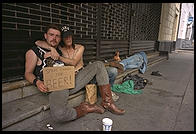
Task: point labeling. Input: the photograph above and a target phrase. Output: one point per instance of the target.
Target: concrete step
(31, 109)
(35, 107)
(17, 90)
(152, 55)
(19, 93)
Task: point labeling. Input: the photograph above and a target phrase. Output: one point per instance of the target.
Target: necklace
(69, 54)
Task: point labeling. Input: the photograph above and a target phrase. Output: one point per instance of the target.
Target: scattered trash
(105, 61)
(149, 82)
(49, 126)
(139, 82)
(107, 124)
(156, 73)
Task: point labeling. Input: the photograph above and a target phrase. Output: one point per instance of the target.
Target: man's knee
(59, 110)
(62, 115)
(99, 64)
(57, 115)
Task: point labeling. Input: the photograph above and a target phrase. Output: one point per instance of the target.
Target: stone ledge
(13, 85)
(19, 93)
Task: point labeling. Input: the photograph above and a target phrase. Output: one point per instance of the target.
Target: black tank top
(38, 72)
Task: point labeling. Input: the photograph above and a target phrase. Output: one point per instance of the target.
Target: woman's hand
(54, 54)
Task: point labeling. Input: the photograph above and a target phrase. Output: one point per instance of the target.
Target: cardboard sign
(59, 78)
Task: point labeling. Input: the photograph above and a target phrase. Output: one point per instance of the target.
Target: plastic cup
(107, 124)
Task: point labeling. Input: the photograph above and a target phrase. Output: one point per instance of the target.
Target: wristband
(34, 81)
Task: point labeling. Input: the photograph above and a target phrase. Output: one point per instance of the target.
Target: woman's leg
(112, 73)
(97, 70)
(59, 99)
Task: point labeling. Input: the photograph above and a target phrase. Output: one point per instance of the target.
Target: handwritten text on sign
(59, 78)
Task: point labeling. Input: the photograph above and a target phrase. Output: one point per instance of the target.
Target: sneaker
(114, 96)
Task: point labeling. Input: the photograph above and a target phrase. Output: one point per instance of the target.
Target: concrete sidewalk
(166, 105)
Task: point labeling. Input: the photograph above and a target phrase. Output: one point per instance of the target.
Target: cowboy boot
(85, 108)
(107, 101)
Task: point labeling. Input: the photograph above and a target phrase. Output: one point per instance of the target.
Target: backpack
(139, 82)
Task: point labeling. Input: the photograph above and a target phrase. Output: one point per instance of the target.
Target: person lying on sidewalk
(138, 60)
(72, 55)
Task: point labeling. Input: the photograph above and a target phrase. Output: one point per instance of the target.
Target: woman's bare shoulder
(79, 46)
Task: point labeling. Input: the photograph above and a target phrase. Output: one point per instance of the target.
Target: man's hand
(46, 55)
(41, 86)
(54, 54)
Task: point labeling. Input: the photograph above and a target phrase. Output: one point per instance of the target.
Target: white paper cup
(107, 124)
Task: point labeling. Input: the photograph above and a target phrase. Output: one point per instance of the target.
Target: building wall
(102, 28)
(186, 10)
(169, 21)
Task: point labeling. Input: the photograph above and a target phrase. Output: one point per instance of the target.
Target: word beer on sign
(59, 78)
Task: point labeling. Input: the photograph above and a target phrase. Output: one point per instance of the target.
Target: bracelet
(34, 81)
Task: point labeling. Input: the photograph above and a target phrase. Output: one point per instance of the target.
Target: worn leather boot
(85, 108)
(107, 101)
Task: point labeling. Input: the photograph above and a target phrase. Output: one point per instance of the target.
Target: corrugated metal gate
(145, 23)
(102, 28)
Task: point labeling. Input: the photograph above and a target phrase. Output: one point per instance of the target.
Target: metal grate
(145, 23)
(101, 27)
(115, 21)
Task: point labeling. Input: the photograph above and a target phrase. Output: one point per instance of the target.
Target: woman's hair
(66, 32)
(62, 44)
(116, 52)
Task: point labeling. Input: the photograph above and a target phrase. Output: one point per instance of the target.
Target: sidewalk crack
(182, 100)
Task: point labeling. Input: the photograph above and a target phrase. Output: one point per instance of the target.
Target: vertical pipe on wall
(178, 44)
(179, 21)
(98, 30)
(130, 14)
